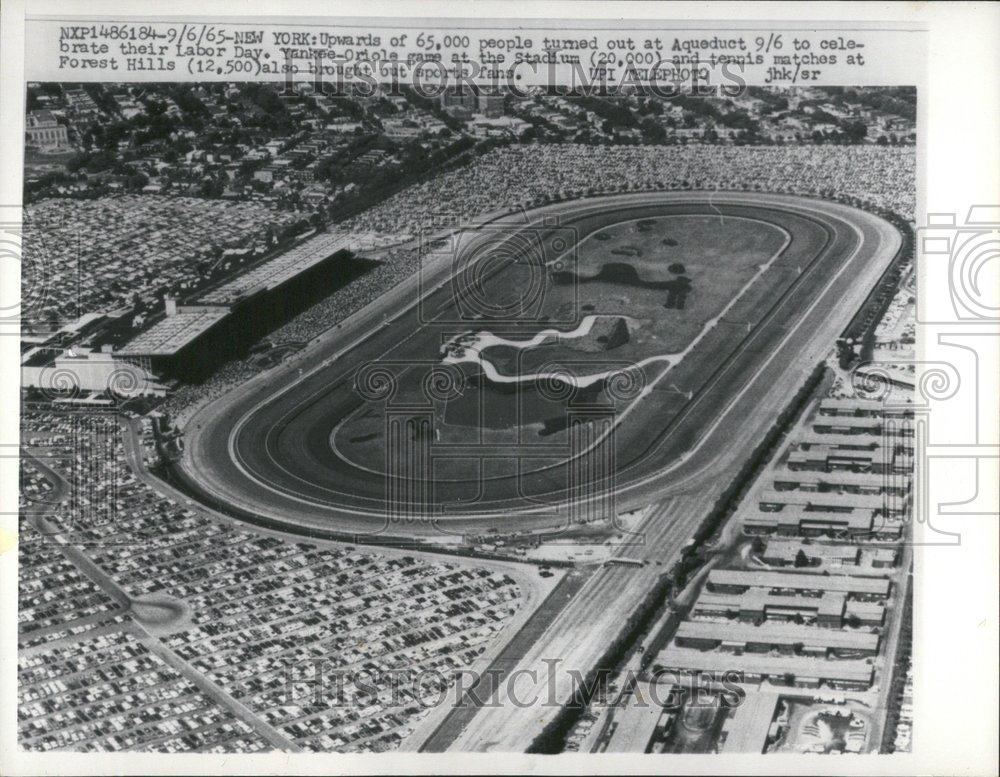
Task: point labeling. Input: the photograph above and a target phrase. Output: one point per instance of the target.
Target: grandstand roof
(282, 268)
(170, 335)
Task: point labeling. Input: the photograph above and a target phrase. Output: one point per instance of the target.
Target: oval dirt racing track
(267, 449)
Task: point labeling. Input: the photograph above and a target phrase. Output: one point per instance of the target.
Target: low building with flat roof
(785, 637)
(676, 664)
(893, 425)
(636, 723)
(847, 425)
(746, 729)
(90, 371)
(844, 482)
(779, 552)
(880, 558)
(758, 605)
(857, 442)
(798, 521)
(820, 458)
(867, 613)
(831, 502)
(833, 406)
(739, 580)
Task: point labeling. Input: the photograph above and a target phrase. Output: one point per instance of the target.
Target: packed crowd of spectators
(395, 266)
(523, 176)
(90, 256)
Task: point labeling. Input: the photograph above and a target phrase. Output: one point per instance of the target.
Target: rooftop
(275, 272)
(838, 406)
(690, 660)
(788, 549)
(797, 515)
(838, 478)
(792, 580)
(872, 423)
(878, 457)
(869, 442)
(170, 335)
(779, 634)
(830, 603)
(818, 500)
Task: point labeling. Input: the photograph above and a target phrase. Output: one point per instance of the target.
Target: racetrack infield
(312, 447)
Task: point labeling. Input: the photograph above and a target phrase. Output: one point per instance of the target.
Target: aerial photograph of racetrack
(607, 337)
(537, 425)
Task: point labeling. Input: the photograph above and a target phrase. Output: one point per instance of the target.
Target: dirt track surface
(264, 449)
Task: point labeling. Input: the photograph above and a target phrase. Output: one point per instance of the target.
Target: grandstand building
(222, 323)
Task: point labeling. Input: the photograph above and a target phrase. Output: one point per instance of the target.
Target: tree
(855, 131)
(653, 132)
(801, 559)
(137, 181)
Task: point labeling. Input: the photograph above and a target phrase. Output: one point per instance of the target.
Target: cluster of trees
(434, 108)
